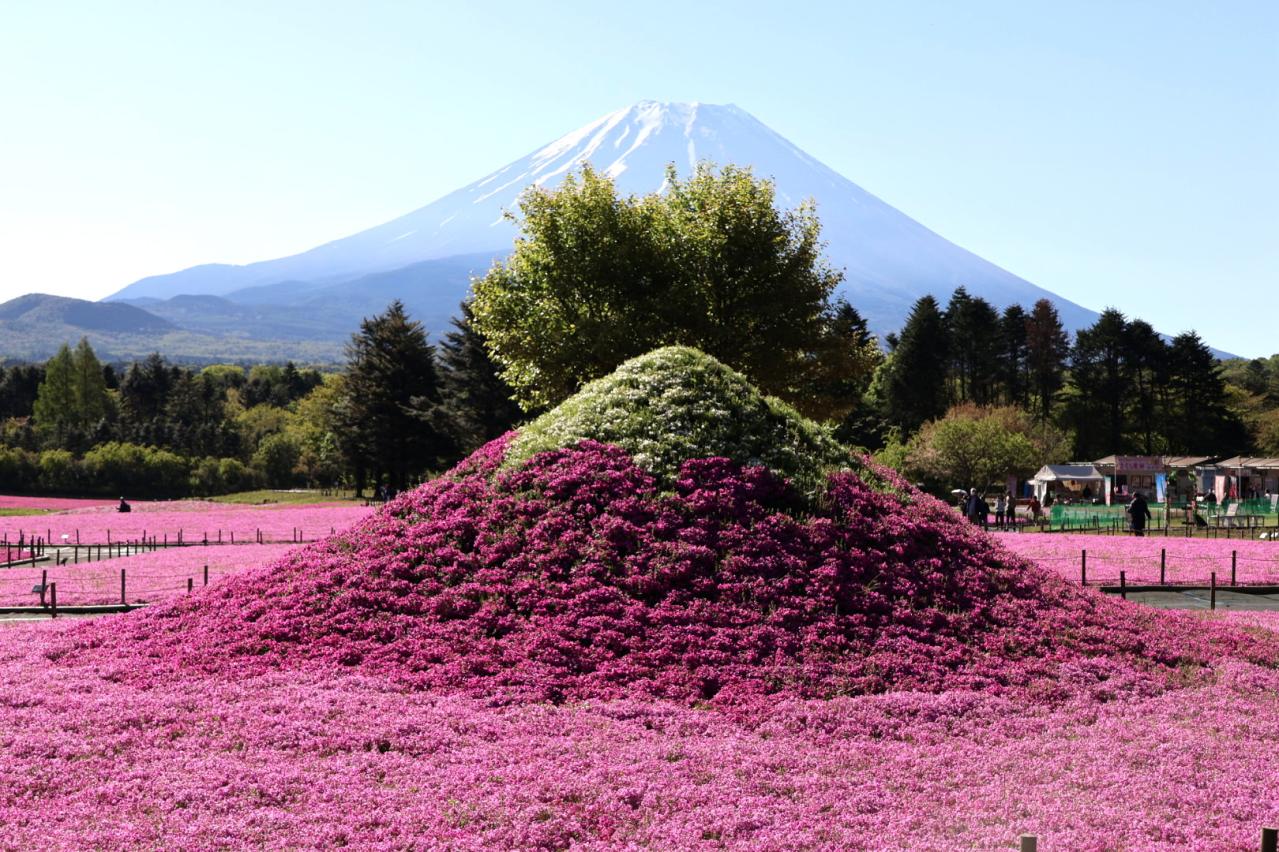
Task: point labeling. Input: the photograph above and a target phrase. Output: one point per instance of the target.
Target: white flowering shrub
(677, 403)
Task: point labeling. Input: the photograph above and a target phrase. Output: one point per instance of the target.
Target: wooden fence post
(1234, 563)
(1028, 843)
(1212, 599)
(123, 600)
(206, 575)
(53, 600)
(1123, 585)
(1270, 840)
(44, 583)
(1083, 567)
(190, 584)
(1163, 563)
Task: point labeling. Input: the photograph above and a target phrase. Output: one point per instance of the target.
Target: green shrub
(130, 469)
(18, 468)
(57, 470)
(675, 404)
(276, 459)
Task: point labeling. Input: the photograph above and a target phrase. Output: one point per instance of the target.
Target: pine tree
(972, 326)
(90, 386)
(1100, 385)
(55, 400)
(478, 405)
(391, 375)
(72, 399)
(1047, 348)
(915, 391)
(1013, 357)
(1145, 357)
(1197, 419)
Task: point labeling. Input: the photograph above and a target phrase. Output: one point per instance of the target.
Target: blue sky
(1120, 153)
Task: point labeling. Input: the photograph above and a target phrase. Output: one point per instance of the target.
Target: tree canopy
(710, 262)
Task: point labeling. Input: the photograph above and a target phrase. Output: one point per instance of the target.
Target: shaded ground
(1202, 599)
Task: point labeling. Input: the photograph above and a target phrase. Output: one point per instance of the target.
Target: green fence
(1245, 514)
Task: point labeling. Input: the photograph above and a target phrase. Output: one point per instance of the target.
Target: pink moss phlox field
(149, 577)
(192, 519)
(1189, 561)
(573, 578)
(53, 504)
(318, 760)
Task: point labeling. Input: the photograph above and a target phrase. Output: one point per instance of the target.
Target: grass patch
(265, 496)
(20, 513)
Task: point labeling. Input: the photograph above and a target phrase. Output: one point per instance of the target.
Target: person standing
(1138, 513)
(977, 509)
(1000, 506)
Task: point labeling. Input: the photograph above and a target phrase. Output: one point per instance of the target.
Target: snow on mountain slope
(889, 258)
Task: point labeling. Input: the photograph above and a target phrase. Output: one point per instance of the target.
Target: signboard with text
(1139, 464)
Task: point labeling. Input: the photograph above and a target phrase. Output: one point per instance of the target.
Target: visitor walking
(977, 510)
(1138, 513)
(1034, 508)
(1001, 506)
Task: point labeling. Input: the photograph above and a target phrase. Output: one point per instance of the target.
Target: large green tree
(478, 404)
(976, 446)
(915, 387)
(1100, 386)
(391, 372)
(973, 331)
(1047, 349)
(73, 398)
(1196, 418)
(710, 262)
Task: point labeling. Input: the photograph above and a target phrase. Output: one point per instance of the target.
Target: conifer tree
(1197, 419)
(478, 404)
(972, 326)
(72, 399)
(1013, 356)
(391, 375)
(1047, 348)
(915, 391)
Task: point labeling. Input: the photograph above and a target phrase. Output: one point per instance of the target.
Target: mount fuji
(426, 257)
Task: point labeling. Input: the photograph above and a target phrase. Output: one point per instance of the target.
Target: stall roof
(1077, 472)
(1254, 462)
(1179, 462)
(1182, 462)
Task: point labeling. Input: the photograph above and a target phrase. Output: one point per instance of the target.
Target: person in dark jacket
(977, 510)
(1139, 513)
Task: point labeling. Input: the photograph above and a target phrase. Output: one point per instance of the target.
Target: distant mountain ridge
(32, 327)
(38, 309)
(889, 259)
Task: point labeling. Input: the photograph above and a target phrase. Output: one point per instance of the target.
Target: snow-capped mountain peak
(890, 259)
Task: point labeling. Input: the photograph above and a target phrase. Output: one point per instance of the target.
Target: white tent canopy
(1082, 474)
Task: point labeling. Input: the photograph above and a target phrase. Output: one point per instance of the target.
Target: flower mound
(575, 577)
